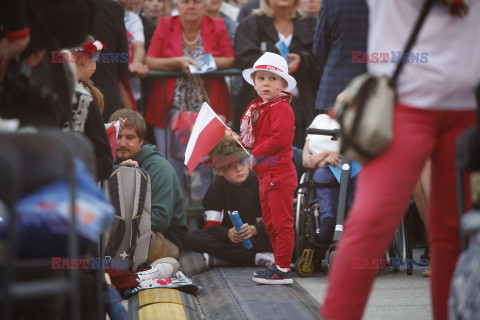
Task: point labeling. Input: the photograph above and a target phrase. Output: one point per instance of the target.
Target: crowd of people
(101, 79)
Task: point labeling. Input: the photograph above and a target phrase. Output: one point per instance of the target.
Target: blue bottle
(237, 224)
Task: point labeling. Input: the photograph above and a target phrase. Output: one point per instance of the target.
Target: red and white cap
(271, 62)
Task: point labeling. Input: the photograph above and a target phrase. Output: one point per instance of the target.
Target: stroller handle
(335, 133)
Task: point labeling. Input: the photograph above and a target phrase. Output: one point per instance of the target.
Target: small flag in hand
(112, 134)
(207, 132)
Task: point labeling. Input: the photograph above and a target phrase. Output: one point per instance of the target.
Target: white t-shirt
(229, 10)
(446, 70)
(288, 40)
(134, 25)
(319, 143)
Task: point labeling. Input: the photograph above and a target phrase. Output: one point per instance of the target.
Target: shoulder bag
(366, 113)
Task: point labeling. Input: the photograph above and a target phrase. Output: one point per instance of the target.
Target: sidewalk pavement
(394, 296)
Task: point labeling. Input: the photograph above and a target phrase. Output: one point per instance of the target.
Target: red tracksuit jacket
(274, 132)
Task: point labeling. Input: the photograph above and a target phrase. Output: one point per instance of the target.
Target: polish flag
(112, 134)
(206, 134)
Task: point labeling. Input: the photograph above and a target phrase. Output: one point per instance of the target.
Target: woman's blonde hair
(268, 11)
(96, 94)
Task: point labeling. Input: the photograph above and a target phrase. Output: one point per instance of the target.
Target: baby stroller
(309, 250)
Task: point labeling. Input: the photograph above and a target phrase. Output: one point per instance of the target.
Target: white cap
(271, 62)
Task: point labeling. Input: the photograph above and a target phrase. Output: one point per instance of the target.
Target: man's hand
(234, 235)
(247, 231)
(122, 122)
(129, 162)
(139, 69)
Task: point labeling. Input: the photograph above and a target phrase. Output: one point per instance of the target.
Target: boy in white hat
(267, 128)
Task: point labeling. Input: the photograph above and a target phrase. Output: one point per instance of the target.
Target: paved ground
(394, 296)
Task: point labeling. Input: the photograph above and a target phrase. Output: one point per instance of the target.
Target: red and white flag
(112, 134)
(206, 134)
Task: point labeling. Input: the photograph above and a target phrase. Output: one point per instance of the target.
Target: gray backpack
(464, 301)
(128, 238)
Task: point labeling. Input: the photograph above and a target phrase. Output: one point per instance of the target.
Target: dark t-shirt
(245, 199)
(95, 131)
(108, 27)
(88, 120)
(147, 83)
(247, 9)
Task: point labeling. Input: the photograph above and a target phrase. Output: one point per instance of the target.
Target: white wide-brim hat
(271, 62)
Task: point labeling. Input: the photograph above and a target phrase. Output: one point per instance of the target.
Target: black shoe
(273, 276)
(426, 254)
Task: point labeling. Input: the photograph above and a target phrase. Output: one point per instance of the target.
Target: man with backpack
(169, 220)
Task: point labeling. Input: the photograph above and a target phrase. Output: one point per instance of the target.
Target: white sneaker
(158, 270)
(171, 261)
(264, 259)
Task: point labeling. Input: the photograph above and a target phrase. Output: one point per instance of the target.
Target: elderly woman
(177, 41)
(281, 20)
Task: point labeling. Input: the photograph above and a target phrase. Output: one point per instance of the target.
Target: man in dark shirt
(341, 30)
(108, 27)
(235, 188)
(247, 9)
(147, 82)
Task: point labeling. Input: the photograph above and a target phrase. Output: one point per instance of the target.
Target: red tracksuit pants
(276, 198)
(384, 187)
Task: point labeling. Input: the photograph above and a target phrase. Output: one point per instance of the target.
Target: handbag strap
(411, 41)
(199, 85)
(200, 88)
(185, 96)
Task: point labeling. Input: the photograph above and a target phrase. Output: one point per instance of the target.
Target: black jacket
(259, 28)
(223, 196)
(147, 82)
(41, 95)
(108, 27)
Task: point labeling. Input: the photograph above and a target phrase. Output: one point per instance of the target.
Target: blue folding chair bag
(45, 214)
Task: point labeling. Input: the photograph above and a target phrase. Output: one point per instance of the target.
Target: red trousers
(276, 197)
(384, 188)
